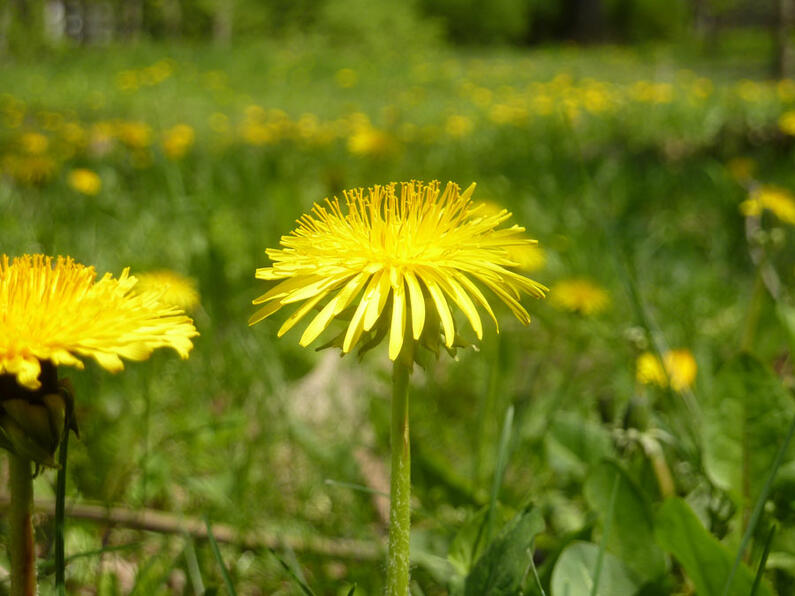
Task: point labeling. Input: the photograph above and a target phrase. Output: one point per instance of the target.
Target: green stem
(20, 520)
(752, 314)
(400, 485)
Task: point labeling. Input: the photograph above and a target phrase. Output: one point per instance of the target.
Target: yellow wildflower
(778, 200)
(786, 123)
(399, 253)
(56, 311)
(85, 181)
(458, 126)
(580, 296)
(177, 141)
(173, 288)
(678, 367)
(34, 143)
(136, 135)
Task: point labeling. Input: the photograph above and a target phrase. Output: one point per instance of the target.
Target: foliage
(542, 455)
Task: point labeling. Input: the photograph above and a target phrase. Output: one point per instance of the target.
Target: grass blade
(758, 507)
(301, 583)
(217, 553)
(761, 569)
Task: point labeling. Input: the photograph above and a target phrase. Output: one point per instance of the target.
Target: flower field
(634, 438)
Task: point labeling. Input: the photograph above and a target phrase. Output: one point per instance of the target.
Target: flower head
(174, 289)
(678, 366)
(402, 256)
(85, 181)
(778, 200)
(178, 140)
(580, 296)
(56, 310)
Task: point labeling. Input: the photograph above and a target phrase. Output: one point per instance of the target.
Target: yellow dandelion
(368, 140)
(778, 200)
(678, 367)
(178, 140)
(136, 135)
(580, 296)
(786, 123)
(85, 181)
(402, 255)
(29, 169)
(34, 143)
(174, 289)
(528, 258)
(56, 310)
(458, 126)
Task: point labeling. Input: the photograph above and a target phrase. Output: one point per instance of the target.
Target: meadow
(633, 439)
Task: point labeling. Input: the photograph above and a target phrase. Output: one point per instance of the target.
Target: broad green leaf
(750, 409)
(706, 561)
(501, 569)
(575, 569)
(631, 536)
(574, 444)
(473, 538)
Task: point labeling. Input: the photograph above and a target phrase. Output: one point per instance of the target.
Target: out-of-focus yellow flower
(529, 258)
(177, 141)
(741, 168)
(750, 91)
(34, 143)
(29, 169)
(785, 89)
(136, 135)
(778, 200)
(580, 296)
(346, 78)
(679, 369)
(458, 126)
(365, 139)
(172, 288)
(786, 123)
(85, 181)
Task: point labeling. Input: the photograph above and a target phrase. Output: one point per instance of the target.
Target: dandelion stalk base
(20, 521)
(400, 485)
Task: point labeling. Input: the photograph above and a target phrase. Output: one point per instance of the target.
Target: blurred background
(648, 145)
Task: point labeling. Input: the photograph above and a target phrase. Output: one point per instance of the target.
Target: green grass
(246, 432)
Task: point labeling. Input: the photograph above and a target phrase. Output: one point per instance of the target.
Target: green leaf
(706, 561)
(631, 536)
(473, 538)
(749, 413)
(574, 573)
(574, 444)
(501, 569)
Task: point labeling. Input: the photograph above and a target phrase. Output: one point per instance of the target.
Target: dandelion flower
(178, 140)
(396, 257)
(56, 310)
(85, 181)
(34, 143)
(786, 123)
(174, 289)
(580, 296)
(778, 200)
(678, 366)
